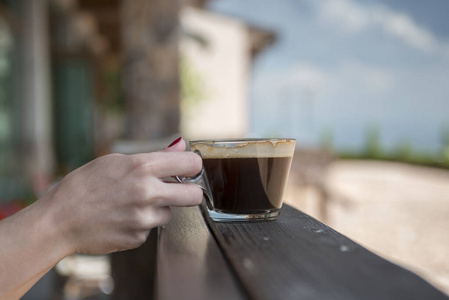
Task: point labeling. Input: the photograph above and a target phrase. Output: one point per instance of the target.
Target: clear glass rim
(241, 141)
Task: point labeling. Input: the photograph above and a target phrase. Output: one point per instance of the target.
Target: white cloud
(343, 12)
(403, 27)
(306, 77)
(355, 18)
(348, 74)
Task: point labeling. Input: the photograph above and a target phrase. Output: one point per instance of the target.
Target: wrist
(34, 245)
(52, 226)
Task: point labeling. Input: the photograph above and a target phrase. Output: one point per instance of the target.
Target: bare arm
(108, 205)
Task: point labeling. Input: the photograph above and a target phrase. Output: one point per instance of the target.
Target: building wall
(215, 51)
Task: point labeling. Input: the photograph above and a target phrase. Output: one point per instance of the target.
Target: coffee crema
(244, 148)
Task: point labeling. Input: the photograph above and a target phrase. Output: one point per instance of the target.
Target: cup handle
(200, 180)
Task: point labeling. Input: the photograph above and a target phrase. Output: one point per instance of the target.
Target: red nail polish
(175, 142)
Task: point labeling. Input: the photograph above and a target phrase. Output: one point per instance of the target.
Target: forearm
(107, 205)
(30, 246)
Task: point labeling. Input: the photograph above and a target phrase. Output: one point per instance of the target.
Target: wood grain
(297, 257)
(190, 264)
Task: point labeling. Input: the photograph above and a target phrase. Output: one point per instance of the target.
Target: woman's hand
(107, 205)
(111, 203)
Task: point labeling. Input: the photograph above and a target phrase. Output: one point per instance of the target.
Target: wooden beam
(189, 255)
(298, 257)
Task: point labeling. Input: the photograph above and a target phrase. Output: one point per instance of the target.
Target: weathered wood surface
(133, 271)
(190, 264)
(297, 257)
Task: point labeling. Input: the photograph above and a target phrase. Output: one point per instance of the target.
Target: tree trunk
(152, 92)
(151, 67)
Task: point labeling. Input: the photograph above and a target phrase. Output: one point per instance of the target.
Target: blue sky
(344, 65)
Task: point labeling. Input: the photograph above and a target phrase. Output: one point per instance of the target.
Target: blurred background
(361, 84)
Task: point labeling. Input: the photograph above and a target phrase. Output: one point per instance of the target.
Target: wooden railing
(293, 257)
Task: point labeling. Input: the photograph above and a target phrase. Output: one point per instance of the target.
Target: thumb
(178, 145)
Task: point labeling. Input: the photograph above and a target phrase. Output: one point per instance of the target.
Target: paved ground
(396, 210)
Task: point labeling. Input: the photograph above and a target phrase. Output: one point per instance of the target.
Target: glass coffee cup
(243, 179)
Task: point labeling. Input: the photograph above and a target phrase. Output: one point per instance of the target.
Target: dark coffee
(247, 185)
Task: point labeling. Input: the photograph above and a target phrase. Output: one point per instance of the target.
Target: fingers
(164, 164)
(139, 223)
(150, 217)
(177, 194)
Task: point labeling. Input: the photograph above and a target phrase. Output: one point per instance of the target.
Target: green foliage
(445, 161)
(111, 96)
(445, 148)
(192, 86)
(327, 139)
(373, 147)
(403, 152)
(445, 135)
(4, 122)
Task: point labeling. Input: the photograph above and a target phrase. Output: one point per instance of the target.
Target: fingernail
(175, 142)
